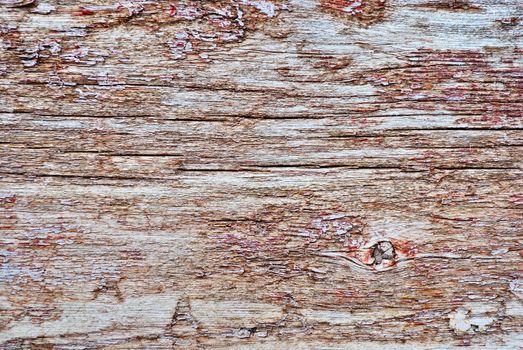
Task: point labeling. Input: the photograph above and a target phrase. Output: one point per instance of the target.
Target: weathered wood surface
(255, 174)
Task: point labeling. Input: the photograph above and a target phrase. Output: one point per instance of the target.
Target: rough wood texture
(261, 174)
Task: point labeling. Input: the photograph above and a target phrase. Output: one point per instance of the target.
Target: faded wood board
(261, 174)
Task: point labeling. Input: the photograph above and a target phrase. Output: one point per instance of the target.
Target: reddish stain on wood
(364, 11)
(83, 12)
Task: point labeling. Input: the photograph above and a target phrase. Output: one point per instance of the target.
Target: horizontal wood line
(355, 263)
(477, 168)
(355, 133)
(373, 133)
(168, 155)
(458, 128)
(66, 176)
(262, 89)
(483, 258)
(317, 116)
(256, 169)
(264, 167)
(288, 93)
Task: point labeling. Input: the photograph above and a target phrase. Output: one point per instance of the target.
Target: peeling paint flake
(43, 8)
(266, 7)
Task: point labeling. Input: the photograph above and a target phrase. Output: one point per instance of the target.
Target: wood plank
(265, 174)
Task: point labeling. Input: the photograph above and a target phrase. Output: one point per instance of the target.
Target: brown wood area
(261, 174)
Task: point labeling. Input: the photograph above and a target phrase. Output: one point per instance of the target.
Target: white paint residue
(9, 272)
(352, 8)
(346, 317)
(263, 6)
(499, 251)
(234, 313)
(461, 321)
(155, 311)
(44, 9)
(516, 287)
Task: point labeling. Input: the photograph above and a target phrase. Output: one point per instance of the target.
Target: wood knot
(383, 253)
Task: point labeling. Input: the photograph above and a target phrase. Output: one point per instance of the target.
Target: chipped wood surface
(261, 174)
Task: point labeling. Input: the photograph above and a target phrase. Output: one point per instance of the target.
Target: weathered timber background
(261, 174)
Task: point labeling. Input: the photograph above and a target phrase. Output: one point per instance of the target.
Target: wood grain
(261, 174)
